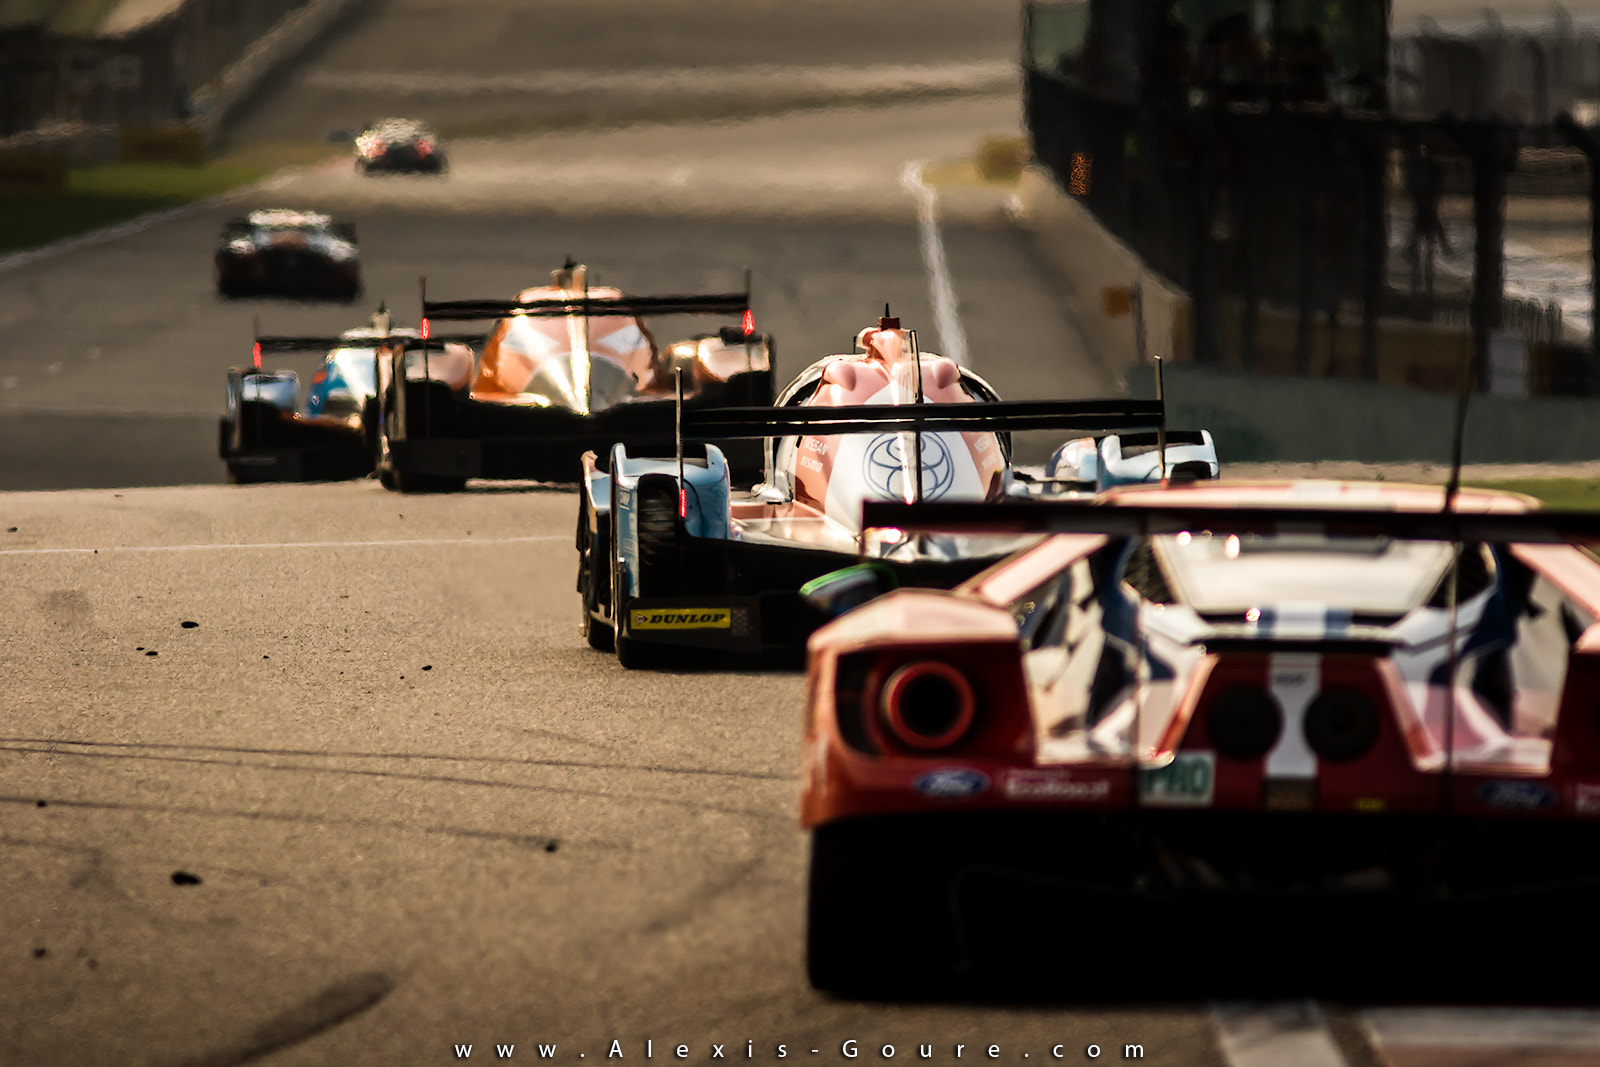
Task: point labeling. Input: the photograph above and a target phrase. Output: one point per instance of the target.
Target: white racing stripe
(952, 338)
(976, 76)
(1294, 679)
(282, 544)
(1281, 1034)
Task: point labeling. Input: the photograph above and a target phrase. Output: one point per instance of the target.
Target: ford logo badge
(1517, 796)
(953, 783)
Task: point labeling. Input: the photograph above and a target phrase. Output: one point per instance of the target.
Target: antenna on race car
(748, 322)
(400, 364)
(1452, 487)
(1161, 427)
(916, 434)
(683, 493)
(588, 358)
(255, 352)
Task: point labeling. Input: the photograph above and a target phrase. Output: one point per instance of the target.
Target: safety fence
(145, 76)
(1321, 238)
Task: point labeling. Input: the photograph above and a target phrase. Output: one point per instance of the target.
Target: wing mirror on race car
(843, 590)
(736, 335)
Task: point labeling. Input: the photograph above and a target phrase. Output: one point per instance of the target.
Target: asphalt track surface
(380, 799)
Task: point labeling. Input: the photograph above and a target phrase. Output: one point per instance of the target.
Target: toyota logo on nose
(885, 466)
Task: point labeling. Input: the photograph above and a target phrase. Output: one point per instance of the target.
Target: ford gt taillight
(928, 705)
(917, 699)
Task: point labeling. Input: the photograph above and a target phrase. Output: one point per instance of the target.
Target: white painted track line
(1278, 1034)
(1572, 1029)
(952, 338)
(989, 75)
(280, 544)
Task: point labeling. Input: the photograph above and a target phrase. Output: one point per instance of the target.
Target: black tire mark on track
(332, 1006)
(531, 840)
(329, 754)
(432, 779)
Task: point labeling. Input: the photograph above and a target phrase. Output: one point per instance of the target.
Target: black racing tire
(246, 477)
(642, 656)
(879, 920)
(370, 416)
(660, 556)
(660, 574)
(601, 638)
(412, 482)
(633, 654)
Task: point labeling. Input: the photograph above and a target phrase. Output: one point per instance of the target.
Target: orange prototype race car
(1214, 737)
(567, 368)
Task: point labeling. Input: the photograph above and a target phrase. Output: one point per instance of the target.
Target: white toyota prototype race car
(675, 566)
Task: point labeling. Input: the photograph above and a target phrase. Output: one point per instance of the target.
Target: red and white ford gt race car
(1329, 716)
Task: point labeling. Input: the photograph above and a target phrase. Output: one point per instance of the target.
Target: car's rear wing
(1132, 520)
(391, 342)
(996, 416)
(590, 306)
(593, 306)
(328, 344)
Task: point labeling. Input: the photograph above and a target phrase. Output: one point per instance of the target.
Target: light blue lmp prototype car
(266, 434)
(1135, 458)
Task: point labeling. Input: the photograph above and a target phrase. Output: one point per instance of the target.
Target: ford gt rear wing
(1131, 520)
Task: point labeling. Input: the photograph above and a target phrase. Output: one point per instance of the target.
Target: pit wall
(1407, 415)
(1300, 420)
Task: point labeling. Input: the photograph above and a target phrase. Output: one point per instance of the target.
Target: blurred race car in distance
(566, 368)
(1133, 458)
(396, 145)
(279, 252)
(674, 563)
(1314, 725)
